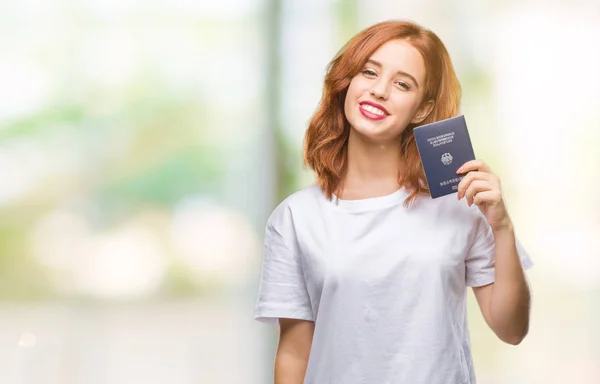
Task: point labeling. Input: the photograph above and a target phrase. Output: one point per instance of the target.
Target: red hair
(326, 139)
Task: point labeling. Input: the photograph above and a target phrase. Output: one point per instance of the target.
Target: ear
(423, 112)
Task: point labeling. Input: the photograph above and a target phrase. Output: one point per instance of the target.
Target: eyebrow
(378, 64)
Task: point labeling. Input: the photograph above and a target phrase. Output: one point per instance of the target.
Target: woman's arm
(505, 304)
(293, 349)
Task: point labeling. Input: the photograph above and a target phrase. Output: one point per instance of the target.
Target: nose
(379, 89)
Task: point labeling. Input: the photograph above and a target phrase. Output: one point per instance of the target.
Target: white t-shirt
(384, 284)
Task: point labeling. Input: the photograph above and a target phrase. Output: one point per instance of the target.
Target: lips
(373, 111)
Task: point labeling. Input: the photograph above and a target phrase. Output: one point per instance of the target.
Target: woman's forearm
(510, 301)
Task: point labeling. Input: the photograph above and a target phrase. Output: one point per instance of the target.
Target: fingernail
(459, 170)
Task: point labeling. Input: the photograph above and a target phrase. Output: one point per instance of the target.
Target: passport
(444, 146)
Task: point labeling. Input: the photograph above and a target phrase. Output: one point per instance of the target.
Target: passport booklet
(444, 146)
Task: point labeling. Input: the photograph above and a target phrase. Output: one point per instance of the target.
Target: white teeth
(372, 109)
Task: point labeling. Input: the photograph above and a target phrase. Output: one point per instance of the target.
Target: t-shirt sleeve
(282, 289)
(480, 262)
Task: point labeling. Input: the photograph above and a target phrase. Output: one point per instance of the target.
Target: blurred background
(143, 144)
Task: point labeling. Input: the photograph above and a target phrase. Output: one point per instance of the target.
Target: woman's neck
(373, 168)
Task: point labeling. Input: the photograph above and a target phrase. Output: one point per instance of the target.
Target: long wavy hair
(326, 139)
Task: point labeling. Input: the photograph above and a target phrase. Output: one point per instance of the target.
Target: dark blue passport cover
(444, 146)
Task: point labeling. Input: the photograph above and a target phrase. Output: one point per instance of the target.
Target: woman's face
(385, 96)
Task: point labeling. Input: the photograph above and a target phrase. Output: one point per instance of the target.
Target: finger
(490, 197)
(475, 188)
(468, 179)
(474, 165)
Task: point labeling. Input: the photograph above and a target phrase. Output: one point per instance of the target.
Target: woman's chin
(373, 134)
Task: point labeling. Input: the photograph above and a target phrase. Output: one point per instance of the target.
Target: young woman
(364, 272)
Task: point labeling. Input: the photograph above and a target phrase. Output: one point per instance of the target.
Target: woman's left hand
(482, 188)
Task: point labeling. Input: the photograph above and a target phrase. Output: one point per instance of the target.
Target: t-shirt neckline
(371, 203)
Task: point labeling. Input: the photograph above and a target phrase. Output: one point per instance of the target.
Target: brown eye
(403, 85)
(369, 72)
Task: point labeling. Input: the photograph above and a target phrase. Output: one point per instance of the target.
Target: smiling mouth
(372, 112)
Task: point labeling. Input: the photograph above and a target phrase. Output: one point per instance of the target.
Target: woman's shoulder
(302, 200)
